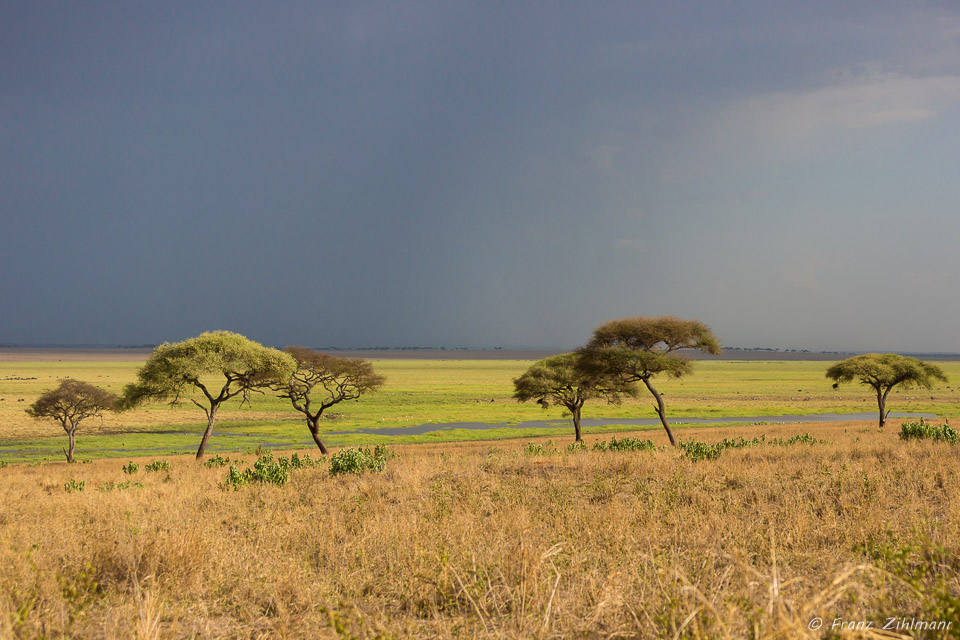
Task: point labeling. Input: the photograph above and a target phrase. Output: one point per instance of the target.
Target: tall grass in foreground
(480, 540)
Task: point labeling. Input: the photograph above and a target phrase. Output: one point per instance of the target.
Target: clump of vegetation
(235, 478)
(266, 470)
(539, 449)
(296, 462)
(805, 438)
(131, 468)
(158, 465)
(118, 486)
(697, 451)
(3, 463)
(924, 430)
(359, 460)
(73, 486)
(740, 442)
(216, 462)
(625, 444)
(576, 447)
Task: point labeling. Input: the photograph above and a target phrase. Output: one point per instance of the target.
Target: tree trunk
(576, 423)
(211, 418)
(72, 435)
(882, 402)
(661, 411)
(314, 424)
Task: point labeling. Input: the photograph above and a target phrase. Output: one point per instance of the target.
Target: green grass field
(419, 392)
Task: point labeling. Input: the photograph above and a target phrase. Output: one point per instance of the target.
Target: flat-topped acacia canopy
(884, 371)
(236, 363)
(638, 348)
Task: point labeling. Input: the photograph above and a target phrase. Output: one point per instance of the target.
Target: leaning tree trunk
(576, 423)
(661, 411)
(72, 437)
(313, 422)
(211, 418)
(882, 403)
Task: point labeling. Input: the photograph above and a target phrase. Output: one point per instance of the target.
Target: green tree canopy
(235, 364)
(884, 371)
(321, 381)
(636, 349)
(560, 380)
(71, 403)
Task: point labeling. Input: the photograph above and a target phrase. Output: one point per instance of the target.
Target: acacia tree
(339, 379)
(884, 371)
(637, 349)
(237, 365)
(71, 403)
(559, 380)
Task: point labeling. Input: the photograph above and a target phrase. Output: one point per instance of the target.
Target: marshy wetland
(466, 399)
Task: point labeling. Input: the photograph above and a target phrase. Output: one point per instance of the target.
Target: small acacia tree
(559, 380)
(884, 371)
(71, 403)
(321, 381)
(637, 349)
(236, 364)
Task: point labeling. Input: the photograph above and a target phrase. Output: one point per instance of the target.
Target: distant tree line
(620, 356)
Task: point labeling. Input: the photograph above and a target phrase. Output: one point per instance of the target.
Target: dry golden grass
(479, 540)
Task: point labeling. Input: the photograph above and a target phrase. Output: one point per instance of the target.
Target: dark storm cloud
(471, 174)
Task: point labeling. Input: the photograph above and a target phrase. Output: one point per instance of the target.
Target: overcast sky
(479, 173)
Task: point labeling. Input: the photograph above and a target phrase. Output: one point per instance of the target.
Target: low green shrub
(359, 460)
(236, 478)
(216, 462)
(924, 430)
(741, 443)
(296, 462)
(118, 486)
(266, 470)
(158, 465)
(625, 444)
(73, 486)
(697, 451)
(804, 438)
(576, 447)
(130, 468)
(538, 449)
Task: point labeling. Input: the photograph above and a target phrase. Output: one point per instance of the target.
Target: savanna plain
(505, 532)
